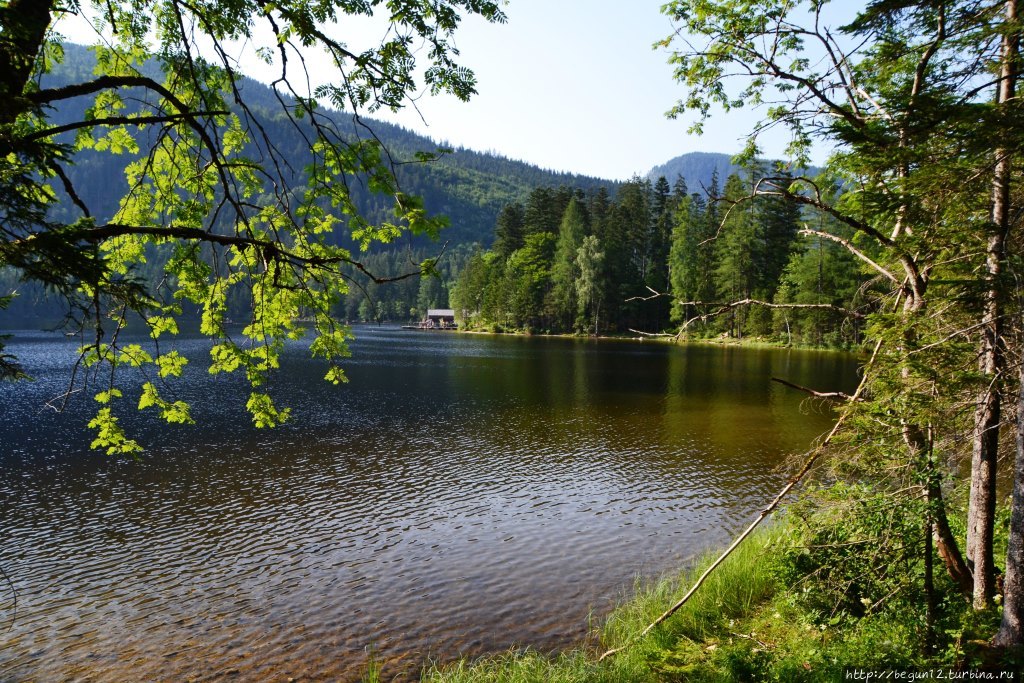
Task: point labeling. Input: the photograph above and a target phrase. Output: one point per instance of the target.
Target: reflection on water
(463, 494)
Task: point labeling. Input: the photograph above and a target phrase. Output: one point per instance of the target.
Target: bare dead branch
(830, 395)
(728, 306)
(655, 335)
(849, 246)
(655, 294)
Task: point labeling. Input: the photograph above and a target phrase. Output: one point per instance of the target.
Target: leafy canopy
(214, 213)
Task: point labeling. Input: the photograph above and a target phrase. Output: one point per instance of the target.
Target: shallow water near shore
(461, 495)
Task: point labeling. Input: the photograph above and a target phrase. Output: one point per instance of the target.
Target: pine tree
(510, 229)
(735, 256)
(691, 257)
(528, 280)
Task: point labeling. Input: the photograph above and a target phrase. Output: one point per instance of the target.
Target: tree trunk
(945, 541)
(23, 26)
(982, 506)
(1011, 630)
(929, 588)
(918, 445)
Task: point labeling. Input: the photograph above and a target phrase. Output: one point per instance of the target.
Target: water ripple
(459, 496)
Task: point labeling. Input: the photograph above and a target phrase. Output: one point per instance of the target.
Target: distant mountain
(696, 168)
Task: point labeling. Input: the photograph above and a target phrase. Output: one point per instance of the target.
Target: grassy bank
(735, 591)
(757, 618)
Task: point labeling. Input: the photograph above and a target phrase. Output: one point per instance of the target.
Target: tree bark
(987, 415)
(1011, 630)
(23, 27)
(945, 541)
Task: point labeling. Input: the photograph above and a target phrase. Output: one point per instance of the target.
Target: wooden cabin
(439, 319)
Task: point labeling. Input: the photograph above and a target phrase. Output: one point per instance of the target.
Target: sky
(568, 85)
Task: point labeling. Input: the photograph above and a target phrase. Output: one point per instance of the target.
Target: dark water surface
(461, 495)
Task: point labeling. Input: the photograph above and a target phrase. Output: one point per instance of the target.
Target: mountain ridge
(468, 186)
(697, 169)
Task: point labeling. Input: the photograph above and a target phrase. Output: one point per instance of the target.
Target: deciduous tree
(209, 190)
(564, 272)
(589, 262)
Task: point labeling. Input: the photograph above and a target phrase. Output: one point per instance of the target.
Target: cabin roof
(440, 313)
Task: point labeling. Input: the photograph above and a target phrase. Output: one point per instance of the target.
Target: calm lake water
(462, 494)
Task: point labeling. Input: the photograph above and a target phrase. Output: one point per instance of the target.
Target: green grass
(744, 624)
(732, 592)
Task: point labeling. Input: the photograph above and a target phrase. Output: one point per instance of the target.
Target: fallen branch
(654, 335)
(724, 307)
(830, 395)
(808, 464)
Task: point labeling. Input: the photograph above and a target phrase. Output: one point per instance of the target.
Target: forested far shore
(657, 257)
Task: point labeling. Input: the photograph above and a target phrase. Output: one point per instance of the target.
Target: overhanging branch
(118, 121)
(271, 250)
(830, 395)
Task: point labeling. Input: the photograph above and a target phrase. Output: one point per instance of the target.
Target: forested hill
(632, 226)
(467, 186)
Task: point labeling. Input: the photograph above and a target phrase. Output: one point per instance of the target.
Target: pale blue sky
(570, 85)
(575, 85)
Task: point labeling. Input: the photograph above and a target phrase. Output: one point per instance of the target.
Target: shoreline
(748, 621)
(749, 342)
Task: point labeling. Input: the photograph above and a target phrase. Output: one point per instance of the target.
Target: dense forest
(656, 257)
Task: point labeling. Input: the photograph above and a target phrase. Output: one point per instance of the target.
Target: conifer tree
(918, 98)
(510, 229)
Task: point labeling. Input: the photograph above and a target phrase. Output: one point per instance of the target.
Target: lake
(463, 494)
